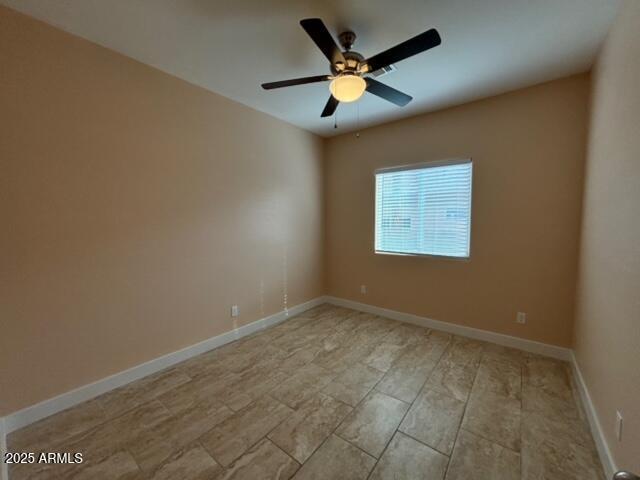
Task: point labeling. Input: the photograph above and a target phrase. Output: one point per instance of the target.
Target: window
(424, 209)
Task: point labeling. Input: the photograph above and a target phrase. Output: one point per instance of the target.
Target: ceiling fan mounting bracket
(347, 39)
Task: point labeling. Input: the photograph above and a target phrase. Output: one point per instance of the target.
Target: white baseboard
(32, 414)
(475, 333)
(4, 468)
(594, 422)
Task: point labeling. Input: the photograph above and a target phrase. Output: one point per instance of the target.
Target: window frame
(418, 166)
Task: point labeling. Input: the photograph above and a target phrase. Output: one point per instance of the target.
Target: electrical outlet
(235, 311)
(619, 426)
(521, 318)
(363, 289)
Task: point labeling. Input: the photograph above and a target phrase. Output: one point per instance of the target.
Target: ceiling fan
(348, 68)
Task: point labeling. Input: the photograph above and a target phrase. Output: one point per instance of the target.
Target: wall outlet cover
(235, 311)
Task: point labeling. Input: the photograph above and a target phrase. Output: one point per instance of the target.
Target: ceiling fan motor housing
(353, 60)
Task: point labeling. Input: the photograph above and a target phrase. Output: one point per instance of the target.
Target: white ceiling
(232, 46)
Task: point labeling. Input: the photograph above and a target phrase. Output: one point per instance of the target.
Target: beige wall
(135, 210)
(607, 340)
(528, 150)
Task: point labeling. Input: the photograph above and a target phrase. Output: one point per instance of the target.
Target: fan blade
(323, 39)
(419, 43)
(295, 81)
(330, 107)
(386, 92)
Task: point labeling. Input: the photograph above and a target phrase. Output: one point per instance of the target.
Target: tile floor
(331, 393)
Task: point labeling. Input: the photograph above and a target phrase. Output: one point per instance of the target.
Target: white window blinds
(424, 210)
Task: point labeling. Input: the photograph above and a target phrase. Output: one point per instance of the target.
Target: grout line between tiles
(464, 412)
(408, 409)
(282, 450)
(352, 412)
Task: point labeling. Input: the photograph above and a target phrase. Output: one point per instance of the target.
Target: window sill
(423, 255)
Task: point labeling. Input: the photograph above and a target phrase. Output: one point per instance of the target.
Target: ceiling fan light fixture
(347, 88)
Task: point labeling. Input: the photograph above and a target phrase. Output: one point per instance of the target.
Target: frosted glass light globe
(347, 88)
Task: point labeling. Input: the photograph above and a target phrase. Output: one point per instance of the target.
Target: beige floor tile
(404, 334)
(414, 334)
(322, 309)
(336, 339)
(342, 358)
(271, 334)
(495, 418)
(349, 324)
(539, 400)
(136, 393)
(571, 462)
(426, 353)
(180, 423)
(349, 394)
(558, 447)
(306, 382)
(239, 357)
(203, 390)
(408, 459)
(464, 352)
(372, 424)
(360, 374)
(299, 359)
(297, 339)
(324, 325)
(192, 463)
(452, 379)
(304, 431)
(373, 330)
(120, 466)
(434, 419)
(263, 461)
(154, 447)
(477, 458)
(405, 378)
(253, 384)
(229, 440)
(538, 427)
(111, 437)
(252, 343)
(384, 355)
(404, 383)
(499, 378)
(42, 435)
(442, 338)
(352, 385)
(337, 459)
(551, 376)
(326, 347)
(23, 471)
(312, 332)
(505, 354)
